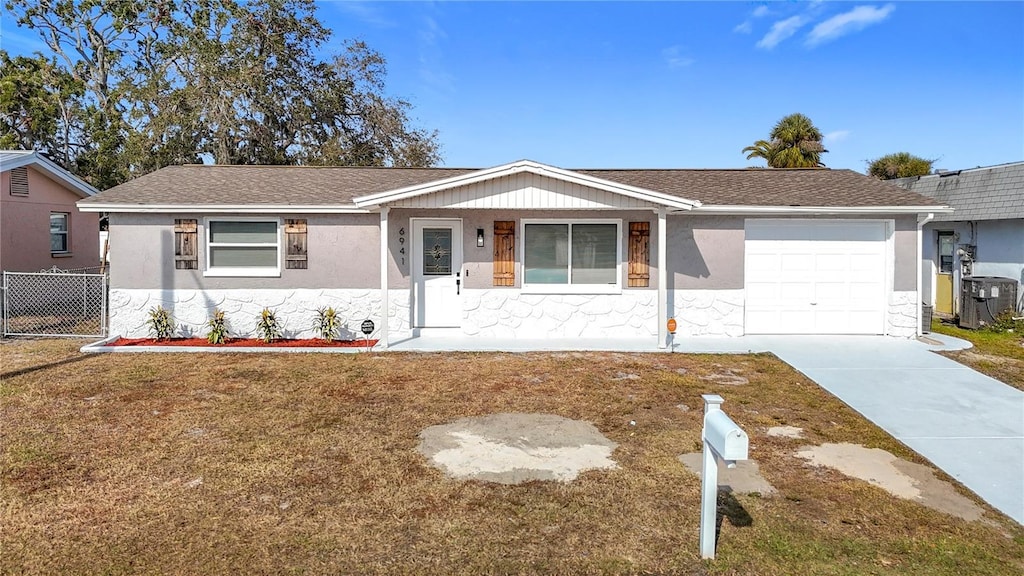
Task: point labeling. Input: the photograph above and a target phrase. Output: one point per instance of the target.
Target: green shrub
(218, 328)
(267, 327)
(161, 325)
(1008, 321)
(326, 323)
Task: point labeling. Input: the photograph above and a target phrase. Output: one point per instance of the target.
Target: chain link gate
(54, 303)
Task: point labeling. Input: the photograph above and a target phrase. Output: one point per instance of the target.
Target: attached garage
(817, 276)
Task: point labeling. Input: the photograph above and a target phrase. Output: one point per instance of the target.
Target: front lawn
(307, 463)
(997, 354)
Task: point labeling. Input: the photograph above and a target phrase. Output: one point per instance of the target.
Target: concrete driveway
(969, 425)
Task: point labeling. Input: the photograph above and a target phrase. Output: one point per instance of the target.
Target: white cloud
(746, 27)
(674, 57)
(365, 13)
(432, 72)
(835, 136)
(848, 22)
(780, 31)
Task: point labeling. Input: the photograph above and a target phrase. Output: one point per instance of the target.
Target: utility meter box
(725, 437)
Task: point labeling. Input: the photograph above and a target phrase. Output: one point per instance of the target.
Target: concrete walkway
(969, 425)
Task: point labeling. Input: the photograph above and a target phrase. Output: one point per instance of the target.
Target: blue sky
(688, 84)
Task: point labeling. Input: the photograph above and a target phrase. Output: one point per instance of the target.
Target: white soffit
(524, 185)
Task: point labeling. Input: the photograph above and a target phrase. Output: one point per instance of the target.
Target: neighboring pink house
(40, 226)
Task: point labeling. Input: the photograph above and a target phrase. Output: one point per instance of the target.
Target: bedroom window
(243, 248)
(571, 256)
(59, 233)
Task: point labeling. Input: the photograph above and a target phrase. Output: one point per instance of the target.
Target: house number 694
(401, 241)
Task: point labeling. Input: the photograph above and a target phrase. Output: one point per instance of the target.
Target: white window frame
(528, 288)
(66, 233)
(256, 271)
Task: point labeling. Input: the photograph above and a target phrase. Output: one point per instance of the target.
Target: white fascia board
(83, 188)
(776, 210)
(375, 200)
(219, 209)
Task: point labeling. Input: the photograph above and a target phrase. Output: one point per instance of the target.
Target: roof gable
(524, 184)
(11, 159)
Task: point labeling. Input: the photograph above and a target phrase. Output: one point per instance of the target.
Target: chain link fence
(55, 303)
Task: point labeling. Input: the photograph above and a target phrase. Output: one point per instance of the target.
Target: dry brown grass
(238, 463)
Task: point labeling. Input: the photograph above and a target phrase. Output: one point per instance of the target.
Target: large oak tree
(164, 82)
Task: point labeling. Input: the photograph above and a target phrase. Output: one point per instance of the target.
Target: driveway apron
(968, 424)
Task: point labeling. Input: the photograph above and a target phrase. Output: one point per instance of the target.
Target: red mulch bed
(244, 342)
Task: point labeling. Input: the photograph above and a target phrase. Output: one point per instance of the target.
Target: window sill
(61, 254)
(243, 273)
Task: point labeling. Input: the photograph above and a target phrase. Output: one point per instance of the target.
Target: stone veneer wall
(902, 318)
(295, 309)
(708, 312)
(507, 313)
(499, 313)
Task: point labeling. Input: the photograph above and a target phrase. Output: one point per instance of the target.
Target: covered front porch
(525, 255)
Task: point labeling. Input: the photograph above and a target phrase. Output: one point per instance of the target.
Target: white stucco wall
(295, 310)
(497, 313)
(504, 313)
(708, 312)
(902, 318)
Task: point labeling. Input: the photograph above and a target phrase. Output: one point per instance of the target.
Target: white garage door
(815, 276)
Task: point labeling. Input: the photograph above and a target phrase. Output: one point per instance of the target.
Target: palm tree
(794, 142)
(761, 149)
(899, 165)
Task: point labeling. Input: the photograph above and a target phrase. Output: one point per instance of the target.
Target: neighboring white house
(984, 236)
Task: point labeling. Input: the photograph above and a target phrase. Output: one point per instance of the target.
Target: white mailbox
(722, 439)
(725, 437)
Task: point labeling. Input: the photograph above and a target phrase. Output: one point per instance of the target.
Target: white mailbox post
(724, 440)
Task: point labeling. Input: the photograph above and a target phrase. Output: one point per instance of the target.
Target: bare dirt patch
(745, 478)
(896, 476)
(786, 432)
(517, 448)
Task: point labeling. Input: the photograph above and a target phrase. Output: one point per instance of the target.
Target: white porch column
(662, 278)
(385, 303)
(922, 219)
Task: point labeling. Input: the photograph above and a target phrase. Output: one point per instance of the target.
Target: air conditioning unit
(983, 298)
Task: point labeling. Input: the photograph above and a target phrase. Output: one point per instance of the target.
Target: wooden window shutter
(295, 239)
(639, 254)
(504, 253)
(186, 256)
(19, 181)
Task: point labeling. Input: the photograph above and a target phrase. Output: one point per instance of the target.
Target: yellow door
(944, 277)
(944, 293)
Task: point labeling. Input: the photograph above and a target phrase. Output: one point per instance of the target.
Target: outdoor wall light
(479, 237)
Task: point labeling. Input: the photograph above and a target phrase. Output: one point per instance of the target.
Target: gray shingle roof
(991, 193)
(337, 186)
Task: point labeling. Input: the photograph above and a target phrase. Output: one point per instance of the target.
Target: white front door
(437, 273)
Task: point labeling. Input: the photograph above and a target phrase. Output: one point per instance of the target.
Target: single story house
(40, 226)
(522, 250)
(984, 236)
